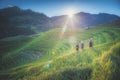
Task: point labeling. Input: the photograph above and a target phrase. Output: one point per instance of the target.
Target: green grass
(48, 56)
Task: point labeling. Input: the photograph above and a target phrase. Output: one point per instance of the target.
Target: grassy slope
(60, 61)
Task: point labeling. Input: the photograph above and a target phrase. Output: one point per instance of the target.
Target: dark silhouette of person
(82, 45)
(90, 42)
(77, 47)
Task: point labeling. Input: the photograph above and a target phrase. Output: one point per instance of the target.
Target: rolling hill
(49, 56)
(15, 21)
(24, 18)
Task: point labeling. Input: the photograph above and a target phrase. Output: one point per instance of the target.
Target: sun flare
(70, 13)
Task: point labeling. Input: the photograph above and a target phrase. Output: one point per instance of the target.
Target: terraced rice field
(50, 56)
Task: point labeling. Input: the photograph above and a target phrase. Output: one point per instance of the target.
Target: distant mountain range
(16, 21)
(83, 19)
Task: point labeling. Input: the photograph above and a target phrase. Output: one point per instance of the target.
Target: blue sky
(58, 7)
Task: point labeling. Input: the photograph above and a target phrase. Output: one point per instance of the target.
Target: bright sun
(70, 13)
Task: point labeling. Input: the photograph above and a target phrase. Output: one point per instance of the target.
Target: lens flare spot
(53, 52)
(64, 29)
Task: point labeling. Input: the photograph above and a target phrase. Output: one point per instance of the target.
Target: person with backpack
(91, 42)
(82, 45)
(77, 46)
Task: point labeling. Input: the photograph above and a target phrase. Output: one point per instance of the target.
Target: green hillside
(51, 55)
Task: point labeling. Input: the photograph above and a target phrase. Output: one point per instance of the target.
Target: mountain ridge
(15, 18)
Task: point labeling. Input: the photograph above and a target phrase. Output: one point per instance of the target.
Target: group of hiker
(81, 45)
